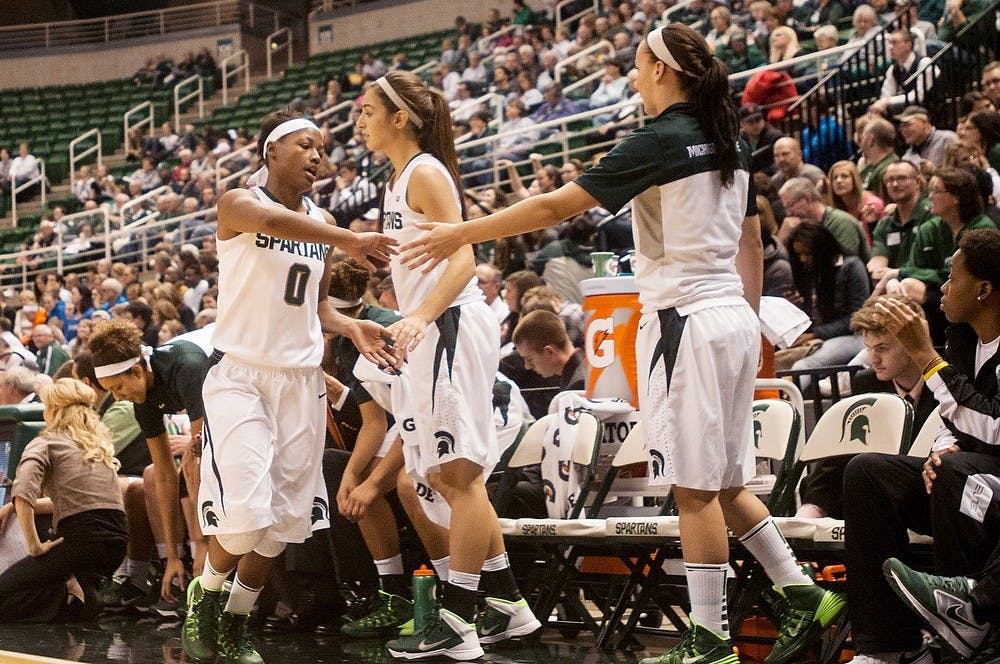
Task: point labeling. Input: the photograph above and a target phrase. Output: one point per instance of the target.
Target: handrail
(127, 128)
(497, 101)
(427, 66)
(39, 179)
(950, 46)
(583, 81)
(100, 210)
(603, 44)
(35, 36)
(793, 62)
(272, 46)
(243, 151)
(336, 108)
(493, 37)
(96, 147)
(140, 200)
(241, 61)
(580, 14)
(199, 92)
(670, 11)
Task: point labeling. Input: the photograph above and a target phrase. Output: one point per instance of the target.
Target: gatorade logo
(600, 342)
(856, 425)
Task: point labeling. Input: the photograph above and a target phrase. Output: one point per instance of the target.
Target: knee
(135, 496)
(269, 547)
(240, 544)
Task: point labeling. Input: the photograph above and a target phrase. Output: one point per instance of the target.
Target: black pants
(986, 594)
(884, 495)
(34, 589)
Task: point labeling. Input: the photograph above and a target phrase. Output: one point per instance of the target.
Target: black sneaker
(234, 643)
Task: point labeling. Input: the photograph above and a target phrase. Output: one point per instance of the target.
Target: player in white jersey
(264, 428)
(451, 340)
(699, 273)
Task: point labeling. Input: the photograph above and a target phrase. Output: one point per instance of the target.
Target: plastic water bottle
(424, 596)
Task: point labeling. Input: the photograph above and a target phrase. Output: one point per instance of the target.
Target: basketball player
(699, 274)
(262, 484)
(451, 339)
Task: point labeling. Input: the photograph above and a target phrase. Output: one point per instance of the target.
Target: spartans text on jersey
(315, 250)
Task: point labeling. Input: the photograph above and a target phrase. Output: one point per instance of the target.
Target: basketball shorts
(696, 377)
(263, 438)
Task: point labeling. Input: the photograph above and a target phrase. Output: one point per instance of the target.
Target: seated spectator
(788, 164)
(877, 144)
(866, 25)
(14, 354)
(84, 185)
(784, 44)
(944, 495)
(908, 12)
(738, 54)
(965, 153)
(830, 286)
(982, 128)
(827, 12)
(50, 354)
(147, 178)
(778, 280)
(475, 72)
(761, 137)
(545, 349)
(906, 62)
(565, 262)
(490, 282)
(371, 67)
(611, 90)
(517, 137)
(847, 194)
(803, 205)
(554, 106)
(529, 95)
(892, 371)
(959, 12)
(354, 193)
(18, 385)
(894, 234)
(926, 144)
(571, 313)
(73, 463)
(22, 169)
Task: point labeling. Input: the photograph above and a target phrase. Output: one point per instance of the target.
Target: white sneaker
(921, 656)
(503, 619)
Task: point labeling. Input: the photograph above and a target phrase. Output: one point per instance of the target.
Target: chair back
(862, 423)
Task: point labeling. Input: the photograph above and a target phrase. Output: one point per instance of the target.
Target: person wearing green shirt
(738, 54)
(803, 204)
(894, 234)
(50, 355)
(956, 14)
(878, 152)
(523, 14)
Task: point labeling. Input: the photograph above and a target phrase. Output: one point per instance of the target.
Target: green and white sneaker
(808, 610)
(389, 615)
(698, 645)
(235, 646)
(943, 602)
(444, 634)
(503, 619)
(199, 635)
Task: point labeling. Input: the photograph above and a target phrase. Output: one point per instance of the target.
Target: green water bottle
(424, 596)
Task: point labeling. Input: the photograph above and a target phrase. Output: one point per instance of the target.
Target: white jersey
(399, 221)
(269, 297)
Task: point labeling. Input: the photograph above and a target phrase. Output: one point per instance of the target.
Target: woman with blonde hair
(72, 463)
(784, 44)
(847, 194)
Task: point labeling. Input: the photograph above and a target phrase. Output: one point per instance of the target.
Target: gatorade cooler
(612, 308)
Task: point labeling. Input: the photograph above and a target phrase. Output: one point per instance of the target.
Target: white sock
(441, 566)
(464, 580)
(766, 543)
(161, 551)
(242, 598)
(707, 589)
(496, 563)
(212, 580)
(122, 569)
(390, 566)
(137, 571)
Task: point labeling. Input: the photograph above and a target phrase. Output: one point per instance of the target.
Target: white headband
(344, 304)
(103, 371)
(398, 101)
(659, 48)
(284, 129)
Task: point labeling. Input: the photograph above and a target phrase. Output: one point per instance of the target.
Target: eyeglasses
(896, 179)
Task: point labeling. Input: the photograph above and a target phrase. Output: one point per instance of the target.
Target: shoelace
(955, 585)
(236, 640)
(202, 621)
(792, 620)
(380, 612)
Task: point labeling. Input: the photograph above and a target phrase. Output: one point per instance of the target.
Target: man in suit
(892, 371)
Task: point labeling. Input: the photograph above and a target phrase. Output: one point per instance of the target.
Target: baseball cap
(912, 113)
(751, 112)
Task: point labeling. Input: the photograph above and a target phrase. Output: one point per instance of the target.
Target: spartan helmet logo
(445, 443)
(656, 462)
(572, 415)
(856, 425)
(208, 516)
(564, 470)
(758, 428)
(550, 491)
(320, 510)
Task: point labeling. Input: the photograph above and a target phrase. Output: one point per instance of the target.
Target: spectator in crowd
(829, 286)
(111, 293)
(146, 177)
(354, 192)
(866, 25)
(463, 105)
(894, 234)
(965, 153)
(926, 143)
(896, 93)
(68, 471)
(827, 12)
(83, 185)
(371, 67)
(490, 281)
(991, 82)
(956, 14)
(878, 151)
(552, 364)
(195, 287)
(23, 168)
(892, 371)
(565, 262)
(788, 163)
(554, 106)
(611, 90)
(982, 128)
(908, 13)
(778, 280)
(760, 136)
(13, 353)
(943, 495)
(28, 315)
(738, 53)
(81, 337)
(475, 72)
(847, 194)
(19, 385)
(784, 44)
(523, 13)
(50, 354)
(529, 95)
(518, 136)
(803, 205)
